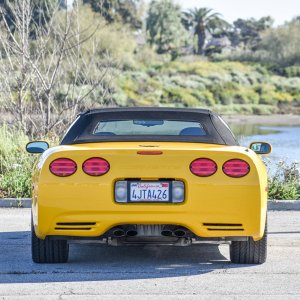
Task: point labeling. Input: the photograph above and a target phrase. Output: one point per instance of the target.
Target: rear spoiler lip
(151, 139)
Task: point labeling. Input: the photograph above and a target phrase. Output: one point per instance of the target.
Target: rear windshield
(145, 125)
(148, 127)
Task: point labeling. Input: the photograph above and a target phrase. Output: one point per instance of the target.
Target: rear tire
(48, 251)
(250, 252)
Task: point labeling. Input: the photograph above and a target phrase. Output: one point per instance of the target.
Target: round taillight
(63, 167)
(203, 167)
(236, 168)
(95, 166)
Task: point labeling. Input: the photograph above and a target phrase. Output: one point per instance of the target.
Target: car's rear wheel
(250, 252)
(48, 251)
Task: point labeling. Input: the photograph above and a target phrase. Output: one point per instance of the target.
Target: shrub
(246, 109)
(250, 88)
(205, 97)
(285, 183)
(114, 43)
(15, 163)
(293, 71)
(180, 97)
(147, 57)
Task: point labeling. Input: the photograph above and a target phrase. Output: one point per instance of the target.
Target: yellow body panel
(214, 199)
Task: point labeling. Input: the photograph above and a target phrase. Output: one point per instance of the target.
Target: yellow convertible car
(131, 176)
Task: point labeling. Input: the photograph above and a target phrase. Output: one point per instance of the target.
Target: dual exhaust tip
(176, 231)
(125, 231)
(131, 231)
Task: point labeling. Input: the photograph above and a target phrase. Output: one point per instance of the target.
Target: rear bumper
(205, 218)
(95, 225)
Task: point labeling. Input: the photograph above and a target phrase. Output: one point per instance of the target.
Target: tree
(164, 28)
(201, 20)
(128, 12)
(281, 45)
(247, 32)
(40, 75)
(41, 11)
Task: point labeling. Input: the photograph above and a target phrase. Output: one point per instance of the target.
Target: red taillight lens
(63, 167)
(203, 167)
(236, 168)
(95, 166)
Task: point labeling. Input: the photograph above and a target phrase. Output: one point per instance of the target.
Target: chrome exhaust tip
(180, 232)
(131, 230)
(118, 232)
(168, 230)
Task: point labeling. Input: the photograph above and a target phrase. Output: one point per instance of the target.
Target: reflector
(150, 152)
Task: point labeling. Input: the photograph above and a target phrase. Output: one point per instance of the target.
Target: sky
(279, 10)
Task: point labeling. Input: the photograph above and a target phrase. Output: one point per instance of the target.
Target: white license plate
(149, 191)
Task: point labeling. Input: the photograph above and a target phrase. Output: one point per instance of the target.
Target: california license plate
(149, 191)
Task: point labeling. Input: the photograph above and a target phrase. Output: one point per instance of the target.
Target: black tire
(250, 252)
(48, 251)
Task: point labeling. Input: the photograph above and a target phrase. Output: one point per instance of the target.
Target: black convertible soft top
(81, 131)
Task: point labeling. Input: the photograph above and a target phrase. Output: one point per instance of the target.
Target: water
(284, 140)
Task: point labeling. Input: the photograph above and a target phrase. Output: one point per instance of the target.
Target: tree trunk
(48, 112)
(201, 36)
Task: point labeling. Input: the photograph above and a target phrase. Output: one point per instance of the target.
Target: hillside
(230, 87)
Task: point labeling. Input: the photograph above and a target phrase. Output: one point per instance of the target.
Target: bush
(114, 43)
(285, 183)
(293, 71)
(199, 83)
(179, 97)
(245, 109)
(15, 164)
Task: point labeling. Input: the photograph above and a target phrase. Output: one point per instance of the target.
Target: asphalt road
(102, 272)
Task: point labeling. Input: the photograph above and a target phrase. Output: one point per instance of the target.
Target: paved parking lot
(103, 272)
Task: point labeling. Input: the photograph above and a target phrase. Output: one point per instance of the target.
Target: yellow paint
(214, 199)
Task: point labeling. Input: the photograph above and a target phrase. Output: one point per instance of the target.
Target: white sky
(279, 10)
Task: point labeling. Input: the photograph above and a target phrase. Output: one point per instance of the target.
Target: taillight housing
(95, 166)
(203, 167)
(236, 168)
(63, 167)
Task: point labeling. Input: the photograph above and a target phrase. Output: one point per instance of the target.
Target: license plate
(149, 191)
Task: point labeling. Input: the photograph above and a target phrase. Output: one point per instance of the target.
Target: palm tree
(202, 20)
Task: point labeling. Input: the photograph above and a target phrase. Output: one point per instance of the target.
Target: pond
(284, 139)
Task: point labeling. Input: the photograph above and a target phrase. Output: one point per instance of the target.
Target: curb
(284, 205)
(18, 203)
(276, 205)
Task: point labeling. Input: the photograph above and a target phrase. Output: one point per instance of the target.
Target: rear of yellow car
(132, 192)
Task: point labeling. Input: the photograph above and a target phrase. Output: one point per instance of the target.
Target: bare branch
(46, 72)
